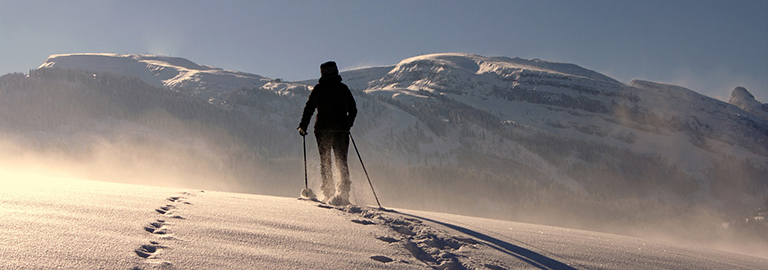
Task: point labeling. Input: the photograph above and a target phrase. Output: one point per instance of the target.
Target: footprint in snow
(363, 222)
(178, 199)
(149, 251)
(168, 211)
(160, 229)
(156, 228)
(191, 193)
(425, 243)
(165, 209)
(387, 239)
(380, 258)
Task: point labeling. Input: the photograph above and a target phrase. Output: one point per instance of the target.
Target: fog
(120, 162)
(174, 166)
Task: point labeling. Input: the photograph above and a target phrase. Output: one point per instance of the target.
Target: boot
(339, 200)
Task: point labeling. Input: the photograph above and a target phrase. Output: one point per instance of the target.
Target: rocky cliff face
(743, 99)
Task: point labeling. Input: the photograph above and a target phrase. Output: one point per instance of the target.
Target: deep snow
(62, 223)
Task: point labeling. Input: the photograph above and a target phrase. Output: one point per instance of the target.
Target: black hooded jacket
(336, 108)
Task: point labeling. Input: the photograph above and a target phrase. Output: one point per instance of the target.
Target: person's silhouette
(336, 111)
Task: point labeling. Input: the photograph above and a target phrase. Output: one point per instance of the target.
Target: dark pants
(339, 143)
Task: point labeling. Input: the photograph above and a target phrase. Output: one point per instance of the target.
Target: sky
(707, 46)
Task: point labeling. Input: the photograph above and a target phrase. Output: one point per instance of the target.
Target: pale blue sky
(708, 46)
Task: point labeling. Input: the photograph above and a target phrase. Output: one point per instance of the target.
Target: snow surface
(61, 223)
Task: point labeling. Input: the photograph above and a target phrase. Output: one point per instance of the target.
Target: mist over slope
(118, 128)
(501, 137)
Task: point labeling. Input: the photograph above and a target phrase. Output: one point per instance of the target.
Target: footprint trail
(435, 248)
(161, 230)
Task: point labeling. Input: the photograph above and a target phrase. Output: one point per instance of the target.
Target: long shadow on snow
(526, 255)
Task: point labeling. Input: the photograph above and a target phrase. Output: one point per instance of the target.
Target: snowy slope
(61, 223)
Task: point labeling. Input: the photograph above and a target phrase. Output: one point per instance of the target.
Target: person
(336, 112)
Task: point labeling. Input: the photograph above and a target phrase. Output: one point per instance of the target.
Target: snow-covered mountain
(163, 71)
(517, 138)
(746, 101)
(689, 132)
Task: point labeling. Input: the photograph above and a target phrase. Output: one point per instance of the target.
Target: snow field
(61, 223)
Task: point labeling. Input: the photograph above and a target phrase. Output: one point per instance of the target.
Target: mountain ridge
(162, 71)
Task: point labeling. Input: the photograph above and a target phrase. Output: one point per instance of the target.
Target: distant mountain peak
(742, 98)
(87, 59)
(741, 94)
(463, 61)
(479, 64)
(163, 71)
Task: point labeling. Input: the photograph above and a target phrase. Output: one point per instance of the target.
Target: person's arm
(309, 109)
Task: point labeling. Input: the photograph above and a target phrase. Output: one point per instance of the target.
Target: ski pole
(364, 170)
(306, 192)
(304, 140)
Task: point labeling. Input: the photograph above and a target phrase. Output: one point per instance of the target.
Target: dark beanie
(329, 68)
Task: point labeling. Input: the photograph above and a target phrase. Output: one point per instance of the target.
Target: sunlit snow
(61, 223)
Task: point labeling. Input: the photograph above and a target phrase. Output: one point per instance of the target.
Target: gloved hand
(302, 132)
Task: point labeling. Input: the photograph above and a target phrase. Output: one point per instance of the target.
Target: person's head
(328, 68)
